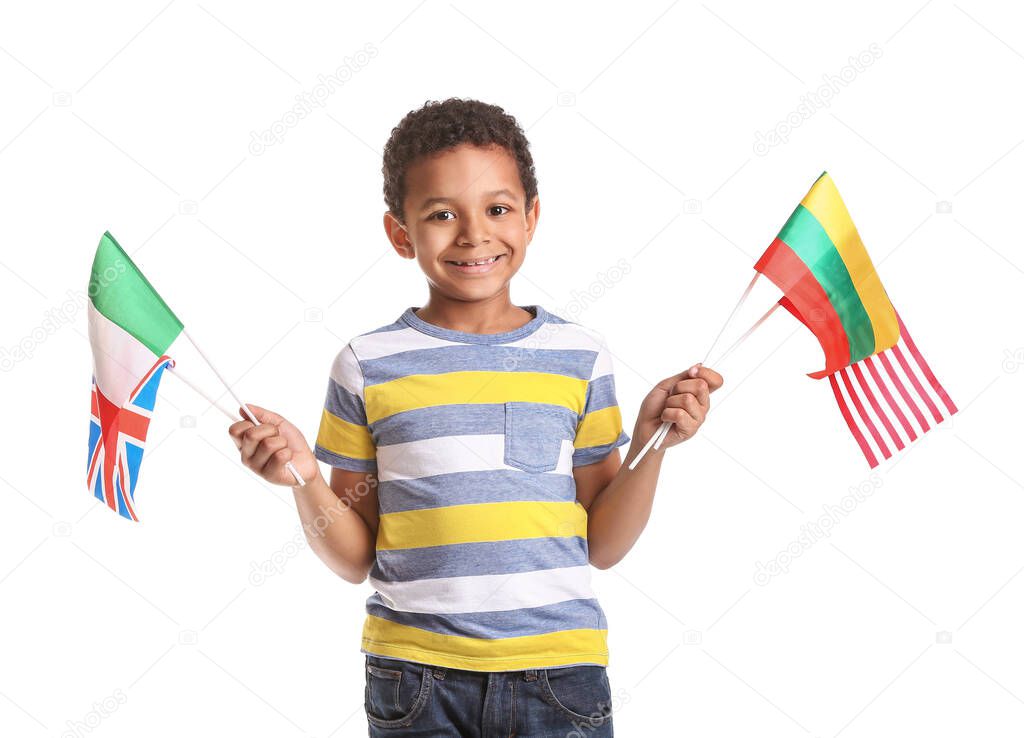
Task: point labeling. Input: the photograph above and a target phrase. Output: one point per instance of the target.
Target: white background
(138, 117)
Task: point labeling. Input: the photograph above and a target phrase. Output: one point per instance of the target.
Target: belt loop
(439, 672)
(530, 675)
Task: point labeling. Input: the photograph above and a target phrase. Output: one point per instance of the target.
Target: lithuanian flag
(884, 388)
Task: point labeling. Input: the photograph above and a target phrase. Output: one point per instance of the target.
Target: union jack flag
(117, 438)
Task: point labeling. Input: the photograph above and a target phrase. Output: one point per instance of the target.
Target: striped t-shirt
(481, 553)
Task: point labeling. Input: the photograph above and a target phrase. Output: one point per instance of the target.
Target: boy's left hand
(683, 400)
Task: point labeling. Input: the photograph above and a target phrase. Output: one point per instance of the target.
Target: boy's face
(465, 204)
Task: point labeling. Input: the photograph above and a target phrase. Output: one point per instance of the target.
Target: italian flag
(133, 334)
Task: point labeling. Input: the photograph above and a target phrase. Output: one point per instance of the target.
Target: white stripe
(898, 397)
(883, 403)
(451, 454)
(346, 372)
(119, 359)
(487, 593)
(929, 391)
(603, 364)
(883, 406)
(857, 419)
(554, 336)
(909, 386)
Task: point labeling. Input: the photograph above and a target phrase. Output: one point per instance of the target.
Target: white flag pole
(665, 428)
(199, 391)
(659, 435)
(663, 433)
(251, 416)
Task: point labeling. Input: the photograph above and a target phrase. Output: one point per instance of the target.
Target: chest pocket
(534, 433)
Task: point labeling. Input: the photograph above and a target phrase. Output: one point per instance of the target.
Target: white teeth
(477, 263)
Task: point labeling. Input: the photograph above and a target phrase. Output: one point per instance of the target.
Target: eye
(500, 206)
(434, 216)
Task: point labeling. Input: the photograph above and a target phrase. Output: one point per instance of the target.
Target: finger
(693, 408)
(668, 383)
(713, 378)
(267, 448)
(237, 429)
(688, 402)
(252, 437)
(275, 464)
(682, 420)
(696, 387)
(262, 414)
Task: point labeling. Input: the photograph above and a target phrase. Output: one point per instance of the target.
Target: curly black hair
(438, 126)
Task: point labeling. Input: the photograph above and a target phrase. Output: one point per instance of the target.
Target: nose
(475, 230)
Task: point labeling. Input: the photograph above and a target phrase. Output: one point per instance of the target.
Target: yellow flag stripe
(546, 650)
(825, 204)
(344, 438)
(491, 521)
(456, 388)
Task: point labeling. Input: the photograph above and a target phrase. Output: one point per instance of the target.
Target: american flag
(890, 398)
(117, 438)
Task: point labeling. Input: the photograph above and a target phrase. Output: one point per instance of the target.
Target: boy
(475, 462)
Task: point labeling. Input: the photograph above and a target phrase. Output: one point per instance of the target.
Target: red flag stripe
(925, 369)
(922, 393)
(864, 415)
(884, 358)
(851, 423)
(890, 399)
(873, 401)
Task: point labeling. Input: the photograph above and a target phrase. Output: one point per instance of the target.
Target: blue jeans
(405, 698)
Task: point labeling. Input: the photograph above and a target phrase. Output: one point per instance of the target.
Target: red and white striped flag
(891, 398)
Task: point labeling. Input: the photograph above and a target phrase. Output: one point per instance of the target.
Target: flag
(132, 333)
(885, 390)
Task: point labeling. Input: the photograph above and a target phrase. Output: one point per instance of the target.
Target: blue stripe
(146, 398)
(398, 325)
(470, 488)
(575, 363)
(470, 419)
(94, 438)
(133, 460)
(593, 454)
(344, 404)
(568, 615)
(477, 559)
(601, 393)
(345, 462)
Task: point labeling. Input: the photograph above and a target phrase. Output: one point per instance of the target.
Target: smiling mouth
(477, 262)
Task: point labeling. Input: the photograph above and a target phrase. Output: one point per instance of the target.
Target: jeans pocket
(581, 693)
(396, 691)
(533, 436)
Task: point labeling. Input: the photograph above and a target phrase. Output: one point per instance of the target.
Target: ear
(532, 215)
(398, 236)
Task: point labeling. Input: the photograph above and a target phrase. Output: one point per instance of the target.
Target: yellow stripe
(543, 651)
(825, 204)
(489, 521)
(456, 388)
(599, 427)
(347, 439)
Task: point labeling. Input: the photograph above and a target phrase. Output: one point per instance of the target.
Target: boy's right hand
(267, 447)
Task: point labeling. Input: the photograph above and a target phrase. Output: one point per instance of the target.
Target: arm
(619, 500)
(340, 520)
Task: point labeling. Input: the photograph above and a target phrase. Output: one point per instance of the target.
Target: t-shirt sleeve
(599, 429)
(344, 439)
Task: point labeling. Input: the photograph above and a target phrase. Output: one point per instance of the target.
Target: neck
(495, 314)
